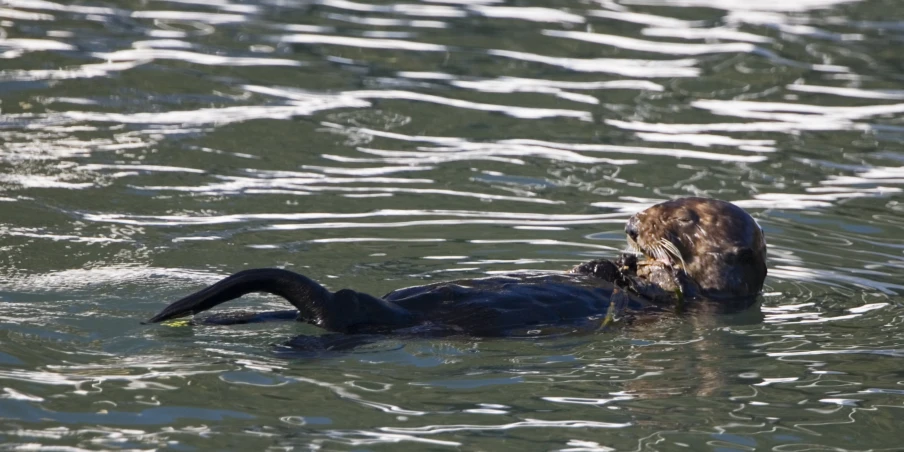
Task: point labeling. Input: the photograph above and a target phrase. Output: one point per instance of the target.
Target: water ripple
(204, 17)
(368, 43)
(150, 148)
(517, 112)
(176, 220)
(533, 14)
(849, 92)
(744, 6)
(429, 10)
(218, 116)
(150, 54)
(652, 46)
(625, 67)
(528, 423)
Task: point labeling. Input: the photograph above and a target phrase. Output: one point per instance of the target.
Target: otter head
(717, 244)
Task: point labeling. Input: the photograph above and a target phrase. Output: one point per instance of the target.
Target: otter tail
(342, 311)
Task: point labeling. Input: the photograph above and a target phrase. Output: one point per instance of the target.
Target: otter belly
(492, 306)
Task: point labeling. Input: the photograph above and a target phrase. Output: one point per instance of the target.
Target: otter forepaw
(599, 268)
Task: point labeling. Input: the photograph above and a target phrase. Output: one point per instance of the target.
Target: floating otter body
(695, 248)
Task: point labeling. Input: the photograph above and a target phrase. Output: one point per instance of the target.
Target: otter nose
(631, 228)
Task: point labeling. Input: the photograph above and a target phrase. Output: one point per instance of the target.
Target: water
(152, 147)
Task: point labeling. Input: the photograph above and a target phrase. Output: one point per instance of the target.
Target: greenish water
(148, 148)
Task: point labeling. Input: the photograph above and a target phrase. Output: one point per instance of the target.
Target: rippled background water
(151, 147)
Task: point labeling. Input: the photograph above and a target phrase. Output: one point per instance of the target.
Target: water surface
(148, 148)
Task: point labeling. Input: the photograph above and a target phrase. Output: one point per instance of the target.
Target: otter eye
(686, 217)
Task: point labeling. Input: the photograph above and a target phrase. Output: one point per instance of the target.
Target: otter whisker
(673, 250)
(659, 253)
(633, 247)
(663, 251)
(662, 254)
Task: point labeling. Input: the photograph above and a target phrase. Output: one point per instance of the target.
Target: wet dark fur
(477, 307)
(723, 249)
(727, 262)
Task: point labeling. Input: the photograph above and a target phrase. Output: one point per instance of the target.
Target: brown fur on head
(716, 243)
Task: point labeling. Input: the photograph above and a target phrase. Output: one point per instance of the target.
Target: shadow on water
(149, 148)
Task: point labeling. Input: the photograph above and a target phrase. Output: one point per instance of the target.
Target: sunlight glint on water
(151, 148)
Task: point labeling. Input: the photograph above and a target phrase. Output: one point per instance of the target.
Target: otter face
(716, 243)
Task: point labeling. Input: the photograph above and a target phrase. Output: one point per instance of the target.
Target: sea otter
(695, 248)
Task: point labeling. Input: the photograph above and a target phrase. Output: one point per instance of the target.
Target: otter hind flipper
(342, 311)
(297, 289)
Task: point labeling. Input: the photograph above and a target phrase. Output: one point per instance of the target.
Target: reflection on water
(149, 148)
